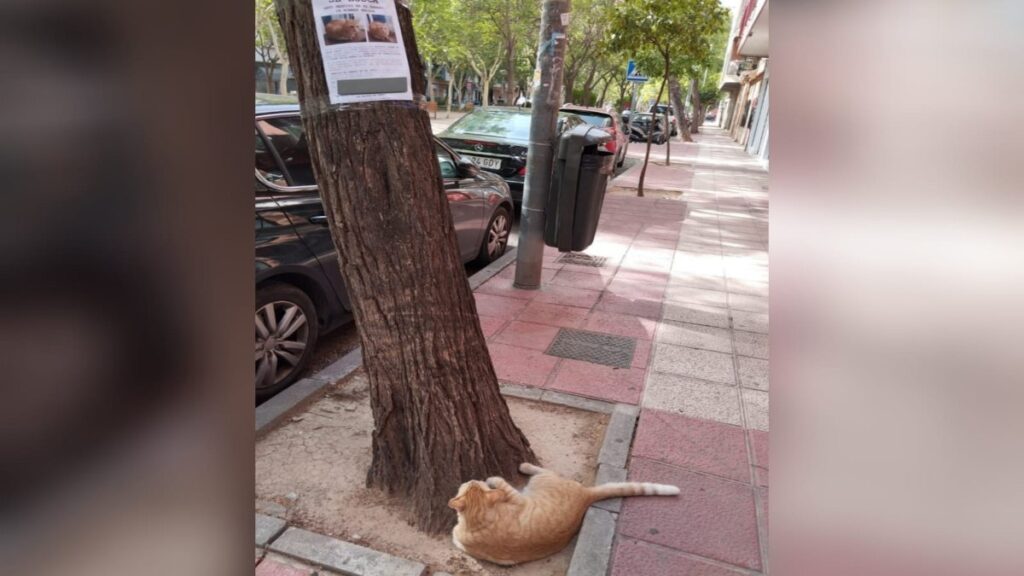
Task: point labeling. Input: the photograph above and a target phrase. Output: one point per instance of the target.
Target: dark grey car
(299, 290)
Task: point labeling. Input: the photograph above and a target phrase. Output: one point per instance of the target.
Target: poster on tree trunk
(362, 50)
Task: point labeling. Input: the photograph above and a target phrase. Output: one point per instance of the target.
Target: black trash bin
(578, 184)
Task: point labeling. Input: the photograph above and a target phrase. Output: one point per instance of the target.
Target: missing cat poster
(362, 49)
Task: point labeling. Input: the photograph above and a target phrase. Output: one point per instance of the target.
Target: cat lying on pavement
(499, 524)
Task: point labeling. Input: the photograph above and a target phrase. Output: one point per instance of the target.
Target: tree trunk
(675, 93)
(268, 68)
(439, 418)
(510, 78)
(430, 80)
(451, 81)
(668, 126)
(647, 153)
(282, 86)
(485, 97)
(604, 92)
(695, 100)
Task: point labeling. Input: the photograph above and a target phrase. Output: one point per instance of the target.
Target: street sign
(632, 75)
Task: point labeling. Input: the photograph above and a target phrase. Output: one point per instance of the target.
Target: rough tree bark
(439, 418)
(695, 100)
(675, 93)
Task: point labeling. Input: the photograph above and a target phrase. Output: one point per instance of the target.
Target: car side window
(288, 138)
(267, 165)
(448, 167)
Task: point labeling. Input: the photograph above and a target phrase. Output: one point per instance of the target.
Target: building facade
(745, 79)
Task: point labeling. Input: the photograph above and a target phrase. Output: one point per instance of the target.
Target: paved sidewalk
(686, 280)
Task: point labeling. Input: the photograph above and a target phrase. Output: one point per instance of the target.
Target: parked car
(609, 121)
(660, 109)
(641, 123)
(497, 139)
(300, 293)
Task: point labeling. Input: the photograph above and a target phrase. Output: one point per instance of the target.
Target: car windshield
(497, 123)
(502, 124)
(599, 120)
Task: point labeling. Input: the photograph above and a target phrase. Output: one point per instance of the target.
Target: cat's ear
(457, 504)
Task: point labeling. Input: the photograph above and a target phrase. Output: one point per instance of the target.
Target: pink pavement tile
(642, 355)
(692, 443)
(598, 381)
(648, 277)
(582, 280)
(636, 558)
(498, 306)
(546, 273)
(527, 335)
(711, 517)
(553, 315)
(499, 286)
(647, 308)
(521, 365)
(566, 296)
(621, 325)
(490, 325)
(636, 288)
(759, 442)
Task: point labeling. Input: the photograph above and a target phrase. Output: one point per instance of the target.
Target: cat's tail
(620, 489)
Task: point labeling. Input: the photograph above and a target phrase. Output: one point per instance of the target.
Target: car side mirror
(467, 169)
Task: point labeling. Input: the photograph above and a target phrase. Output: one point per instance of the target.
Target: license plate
(489, 163)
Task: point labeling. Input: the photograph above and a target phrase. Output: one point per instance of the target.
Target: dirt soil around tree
(314, 466)
(648, 192)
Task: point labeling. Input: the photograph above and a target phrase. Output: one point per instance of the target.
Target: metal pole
(546, 98)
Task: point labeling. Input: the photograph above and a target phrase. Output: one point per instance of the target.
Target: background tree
(480, 43)
(663, 30)
(270, 46)
(439, 418)
(436, 24)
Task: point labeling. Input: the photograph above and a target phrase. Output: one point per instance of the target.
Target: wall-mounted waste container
(578, 182)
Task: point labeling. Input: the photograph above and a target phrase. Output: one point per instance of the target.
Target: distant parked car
(497, 140)
(609, 121)
(660, 109)
(642, 123)
(299, 289)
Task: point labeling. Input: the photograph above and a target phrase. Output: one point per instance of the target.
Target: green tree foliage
(270, 45)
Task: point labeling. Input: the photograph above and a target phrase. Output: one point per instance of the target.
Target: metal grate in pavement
(581, 259)
(593, 347)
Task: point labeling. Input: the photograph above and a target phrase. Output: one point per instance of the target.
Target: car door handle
(318, 219)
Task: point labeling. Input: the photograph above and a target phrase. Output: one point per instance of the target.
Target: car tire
(286, 334)
(496, 235)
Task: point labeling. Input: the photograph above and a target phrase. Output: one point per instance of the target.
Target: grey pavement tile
(752, 344)
(748, 302)
(755, 405)
(695, 336)
(697, 296)
(708, 282)
(606, 474)
(750, 321)
(594, 544)
(693, 398)
(753, 372)
(702, 364)
(267, 528)
(696, 314)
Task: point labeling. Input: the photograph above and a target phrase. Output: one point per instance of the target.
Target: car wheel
(286, 332)
(496, 236)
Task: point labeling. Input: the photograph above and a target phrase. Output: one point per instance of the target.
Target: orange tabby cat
(500, 524)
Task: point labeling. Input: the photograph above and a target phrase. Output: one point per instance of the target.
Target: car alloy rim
(281, 335)
(497, 235)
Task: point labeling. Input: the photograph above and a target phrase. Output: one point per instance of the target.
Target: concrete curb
(341, 556)
(298, 395)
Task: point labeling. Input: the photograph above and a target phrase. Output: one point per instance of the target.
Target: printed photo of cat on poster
(382, 28)
(344, 28)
